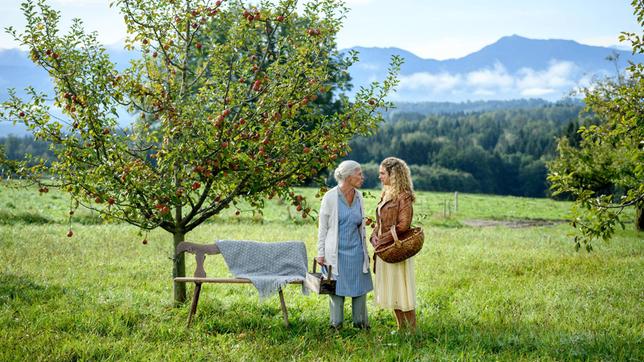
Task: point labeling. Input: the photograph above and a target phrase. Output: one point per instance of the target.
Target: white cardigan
(328, 230)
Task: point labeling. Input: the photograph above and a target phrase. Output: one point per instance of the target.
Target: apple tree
(605, 173)
(221, 98)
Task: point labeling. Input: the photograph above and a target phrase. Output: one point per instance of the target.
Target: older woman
(342, 244)
(395, 283)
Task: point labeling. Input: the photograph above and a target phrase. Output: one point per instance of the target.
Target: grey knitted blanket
(269, 266)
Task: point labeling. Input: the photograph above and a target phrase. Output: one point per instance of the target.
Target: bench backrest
(200, 251)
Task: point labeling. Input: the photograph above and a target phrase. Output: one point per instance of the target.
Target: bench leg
(195, 300)
(283, 305)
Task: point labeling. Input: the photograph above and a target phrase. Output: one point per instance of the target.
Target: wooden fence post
(455, 201)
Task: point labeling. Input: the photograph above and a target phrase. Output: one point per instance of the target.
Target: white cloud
(536, 92)
(554, 82)
(429, 81)
(490, 78)
(560, 74)
(589, 81)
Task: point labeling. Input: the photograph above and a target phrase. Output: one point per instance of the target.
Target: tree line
(15, 148)
(500, 152)
(495, 152)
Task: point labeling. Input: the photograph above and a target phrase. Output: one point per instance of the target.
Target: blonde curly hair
(399, 178)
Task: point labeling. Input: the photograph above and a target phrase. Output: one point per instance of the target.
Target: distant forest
(494, 147)
(15, 148)
(501, 151)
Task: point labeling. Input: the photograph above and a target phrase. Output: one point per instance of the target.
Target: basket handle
(315, 263)
(393, 233)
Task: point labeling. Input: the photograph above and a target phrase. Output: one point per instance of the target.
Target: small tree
(222, 94)
(605, 174)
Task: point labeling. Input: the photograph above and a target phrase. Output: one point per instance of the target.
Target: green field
(491, 293)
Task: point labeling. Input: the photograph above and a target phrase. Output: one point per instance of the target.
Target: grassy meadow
(488, 293)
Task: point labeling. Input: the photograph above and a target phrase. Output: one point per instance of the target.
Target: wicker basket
(318, 283)
(399, 249)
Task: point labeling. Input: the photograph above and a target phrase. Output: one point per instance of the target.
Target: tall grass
(483, 293)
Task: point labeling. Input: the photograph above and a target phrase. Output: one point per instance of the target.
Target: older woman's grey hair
(345, 169)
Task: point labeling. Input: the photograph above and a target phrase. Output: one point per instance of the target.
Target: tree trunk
(179, 270)
(639, 219)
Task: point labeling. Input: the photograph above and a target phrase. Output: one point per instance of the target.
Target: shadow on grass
(24, 290)
(31, 218)
(258, 319)
(531, 340)
(88, 219)
(10, 218)
(446, 336)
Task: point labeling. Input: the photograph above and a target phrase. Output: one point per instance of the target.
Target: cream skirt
(395, 285)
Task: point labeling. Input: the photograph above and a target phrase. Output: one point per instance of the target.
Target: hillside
(513, 67)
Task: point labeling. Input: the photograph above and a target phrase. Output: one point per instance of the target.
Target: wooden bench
(200, 251)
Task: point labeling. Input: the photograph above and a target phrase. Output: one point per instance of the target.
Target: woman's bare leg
(410, 319)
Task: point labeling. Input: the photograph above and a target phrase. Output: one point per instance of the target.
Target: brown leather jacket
(397, 212)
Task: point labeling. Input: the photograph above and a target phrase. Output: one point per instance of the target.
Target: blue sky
(438, 29)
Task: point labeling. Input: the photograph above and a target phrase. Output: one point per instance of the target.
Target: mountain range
(513, 67)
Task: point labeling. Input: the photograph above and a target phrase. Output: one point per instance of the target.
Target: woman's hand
(374, 240)
(320, 260)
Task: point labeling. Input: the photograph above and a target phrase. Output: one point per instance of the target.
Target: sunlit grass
(483, 293)
(19, 205)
